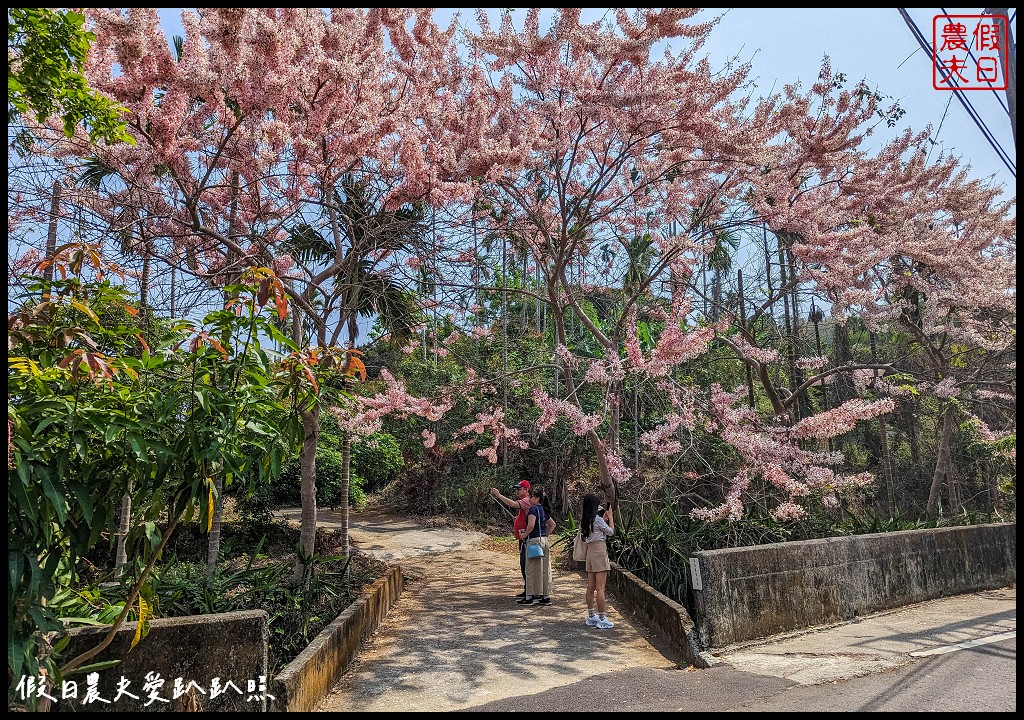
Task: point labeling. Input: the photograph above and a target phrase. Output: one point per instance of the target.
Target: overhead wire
(919, 36)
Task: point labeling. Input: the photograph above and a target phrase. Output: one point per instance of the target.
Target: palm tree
(720, 263)
(353, 288)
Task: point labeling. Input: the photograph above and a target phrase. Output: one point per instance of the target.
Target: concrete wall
(754, 592)
(658, 612)
(198, 648)
(304, 681)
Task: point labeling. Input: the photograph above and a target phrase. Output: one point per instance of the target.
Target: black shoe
(520, 595)
(528, 600)
(544, 601)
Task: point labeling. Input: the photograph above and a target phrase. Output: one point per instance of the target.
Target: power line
(951, 81)
(919, 36)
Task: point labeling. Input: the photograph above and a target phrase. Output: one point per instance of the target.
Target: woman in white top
(596, 524)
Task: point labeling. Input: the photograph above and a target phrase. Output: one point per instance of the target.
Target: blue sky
(874, 44)
(785, 45)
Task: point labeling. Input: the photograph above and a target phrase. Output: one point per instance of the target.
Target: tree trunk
(802, 406)
(716, 295)
(346, 465)
(174, 288)
(51, 233)
(844, 383)
(743, 324)
(956, 495)
(231, 277)
(213, 542)
(988, 474)
(910, 415)
(942, 459)
(636, 429)
(144, 279)
(789, 325)
(124, 525)
(307, 463)
(883, 438)
(537, 303)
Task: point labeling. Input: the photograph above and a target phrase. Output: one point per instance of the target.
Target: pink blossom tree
(901, 243)
(594, 152)
(248, 135)
(614, 176)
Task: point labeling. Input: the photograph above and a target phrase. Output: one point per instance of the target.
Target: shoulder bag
(534, 548)
(579, 547)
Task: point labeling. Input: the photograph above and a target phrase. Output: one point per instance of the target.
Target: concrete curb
(309, 677)
(660, 613)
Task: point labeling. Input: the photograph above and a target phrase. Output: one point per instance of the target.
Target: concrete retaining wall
(658, 612)
(754, 592)
(304, 681)
(198, 648)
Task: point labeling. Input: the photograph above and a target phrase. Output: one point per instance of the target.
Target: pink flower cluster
(493, 422)
(661, 441)
(945, 388)
(752, 352)
(552, 408)
(832, 423)
(394, 400)
(569, 360)
(605, 372)
(617, 469)
(812, 363)
(732, 507)
(411, 346)
(770, 453)
(675, 347)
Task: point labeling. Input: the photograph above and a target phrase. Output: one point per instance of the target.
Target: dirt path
(456, 638)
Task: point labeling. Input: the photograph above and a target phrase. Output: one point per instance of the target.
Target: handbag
(534, 550)
(579, 548)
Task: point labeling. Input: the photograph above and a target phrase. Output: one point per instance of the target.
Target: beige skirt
(597, 556)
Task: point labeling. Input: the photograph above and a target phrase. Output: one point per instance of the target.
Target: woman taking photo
(596, 525)
(539, 525)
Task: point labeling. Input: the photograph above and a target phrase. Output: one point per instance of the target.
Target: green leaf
(23, 473)
(29, 509)
(81, 496)
(95, 666)
(46, 422)
(56, 498)
(15, 568)
(137, 446)
(153, 535)
(81, 445)
(80, 621)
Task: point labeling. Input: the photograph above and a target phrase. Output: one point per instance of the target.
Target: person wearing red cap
(523, 505)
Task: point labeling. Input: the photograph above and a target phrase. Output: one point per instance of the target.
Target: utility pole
(1009, 63)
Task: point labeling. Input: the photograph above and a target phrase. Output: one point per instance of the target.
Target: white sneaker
(604, 624)
(591, 620)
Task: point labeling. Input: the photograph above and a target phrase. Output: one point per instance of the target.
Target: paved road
(456, 640)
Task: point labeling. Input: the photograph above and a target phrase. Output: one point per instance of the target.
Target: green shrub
(287, 489)
(377, 459)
